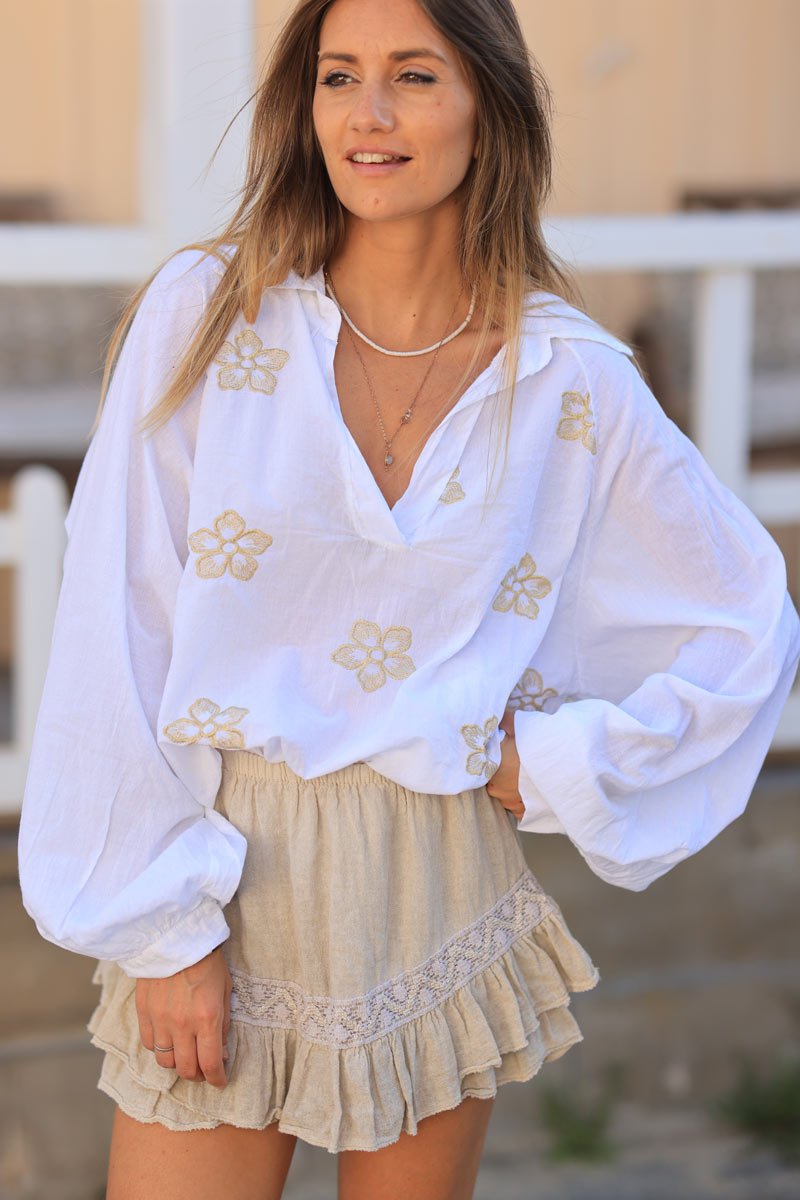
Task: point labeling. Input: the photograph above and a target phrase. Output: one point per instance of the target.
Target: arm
(686, 646)
(122, 855)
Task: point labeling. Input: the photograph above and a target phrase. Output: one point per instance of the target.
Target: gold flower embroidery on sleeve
(521, 588)
(206, 723)
(453, 490)
(228, 547)
(530, 694)
(479, 763)
(374, 655)
(247, 363)
(578, 420)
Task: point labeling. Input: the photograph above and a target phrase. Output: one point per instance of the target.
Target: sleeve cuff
(184, 943)
(634, 877)
(538, 816)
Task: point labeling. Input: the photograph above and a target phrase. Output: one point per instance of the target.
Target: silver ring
(162, 1049)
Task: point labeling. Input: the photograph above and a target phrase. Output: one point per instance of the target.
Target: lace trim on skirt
(342, 1024)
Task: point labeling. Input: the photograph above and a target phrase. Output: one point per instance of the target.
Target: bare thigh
(440, 1162)
(150, 1162)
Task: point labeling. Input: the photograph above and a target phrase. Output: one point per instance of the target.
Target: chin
(381, 208)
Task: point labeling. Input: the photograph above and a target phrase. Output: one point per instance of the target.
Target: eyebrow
(395, 56)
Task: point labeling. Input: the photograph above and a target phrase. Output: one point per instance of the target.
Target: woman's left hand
(504, 784)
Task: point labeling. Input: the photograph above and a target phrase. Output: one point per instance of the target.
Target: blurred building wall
(69, 102)
(656, 98)
(653, 100)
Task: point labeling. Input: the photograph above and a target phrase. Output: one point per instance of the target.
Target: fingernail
(224, 1055)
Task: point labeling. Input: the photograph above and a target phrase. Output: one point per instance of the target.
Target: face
(393, 110)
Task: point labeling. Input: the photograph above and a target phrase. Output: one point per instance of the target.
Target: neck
(399, 285)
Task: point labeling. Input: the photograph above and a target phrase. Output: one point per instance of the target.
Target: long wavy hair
(289, 217)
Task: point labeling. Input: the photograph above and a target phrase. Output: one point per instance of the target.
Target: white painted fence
(32, 541)
(198, 66)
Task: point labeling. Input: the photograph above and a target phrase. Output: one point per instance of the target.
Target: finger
(226, 1026)
(226, 1008)
(498, 785)
(146, 1033)
(163, 1048)
(145, 1024)
(507, 723)
(209, 1057)
(186, 1058)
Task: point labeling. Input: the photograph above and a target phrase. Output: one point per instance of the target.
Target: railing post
(32, 540)
(198, 68)
(39, 500)
(722, 351)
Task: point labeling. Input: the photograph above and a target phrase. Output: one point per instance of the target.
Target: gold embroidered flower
(247, 363)
(374, 655)
(206, 723)
(479, 763)
(530, 694)
(228, 547)
(453, 490)
(578, 420)
(521, 588)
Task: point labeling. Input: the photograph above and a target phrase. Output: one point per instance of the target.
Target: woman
(396, 503)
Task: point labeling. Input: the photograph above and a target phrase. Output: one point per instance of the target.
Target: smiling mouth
(377, 159)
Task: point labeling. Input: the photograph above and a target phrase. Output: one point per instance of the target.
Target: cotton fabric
(391, 954)
(237, 581)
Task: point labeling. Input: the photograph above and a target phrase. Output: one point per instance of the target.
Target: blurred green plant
(767, 1106)
(578, 1119)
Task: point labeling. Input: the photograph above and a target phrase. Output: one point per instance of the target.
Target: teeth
(376, 158)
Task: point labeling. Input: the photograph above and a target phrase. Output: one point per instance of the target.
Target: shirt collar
(313, 283)
(546, 318)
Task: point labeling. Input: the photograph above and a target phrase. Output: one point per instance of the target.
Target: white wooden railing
(197, 67)
(32, 541)
(724, 251)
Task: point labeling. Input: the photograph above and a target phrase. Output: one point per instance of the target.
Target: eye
(336, 79)
(412, 76)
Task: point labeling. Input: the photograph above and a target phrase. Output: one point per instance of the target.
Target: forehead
(379, 25)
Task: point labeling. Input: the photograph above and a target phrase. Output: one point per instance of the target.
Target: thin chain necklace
(401, 353)
(388, 457)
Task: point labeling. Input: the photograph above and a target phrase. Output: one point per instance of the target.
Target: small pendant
(388, 460)
(407, 417)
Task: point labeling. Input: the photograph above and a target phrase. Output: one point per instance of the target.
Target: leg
(439, 1163)
(150, 1162)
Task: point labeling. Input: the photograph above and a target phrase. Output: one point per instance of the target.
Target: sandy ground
(661, 1155)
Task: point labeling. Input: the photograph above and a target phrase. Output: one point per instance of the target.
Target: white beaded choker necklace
(400, 353)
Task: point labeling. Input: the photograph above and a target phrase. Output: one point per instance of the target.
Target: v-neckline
(398, 523)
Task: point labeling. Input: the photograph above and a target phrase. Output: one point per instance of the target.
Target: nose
(372, 109)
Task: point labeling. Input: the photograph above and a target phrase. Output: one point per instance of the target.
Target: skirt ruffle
(500, 1026)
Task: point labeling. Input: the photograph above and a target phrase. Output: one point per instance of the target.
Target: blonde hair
(290, 219)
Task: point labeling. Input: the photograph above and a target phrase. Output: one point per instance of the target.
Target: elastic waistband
(243, 764)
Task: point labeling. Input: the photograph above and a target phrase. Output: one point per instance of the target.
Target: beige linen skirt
(391, 954)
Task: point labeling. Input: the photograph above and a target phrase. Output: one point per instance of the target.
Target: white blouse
(238, 581)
